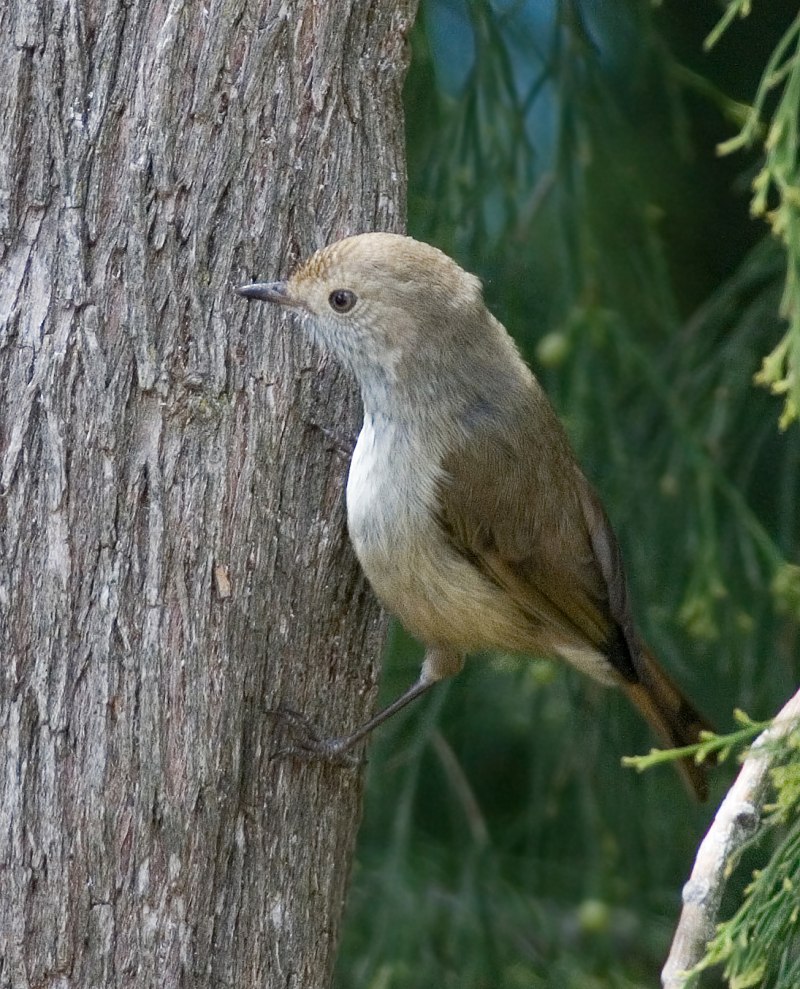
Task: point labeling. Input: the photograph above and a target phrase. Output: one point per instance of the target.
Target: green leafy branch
(778, 181)
(711, 747)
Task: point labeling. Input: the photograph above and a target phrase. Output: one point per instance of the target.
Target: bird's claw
(301, 739)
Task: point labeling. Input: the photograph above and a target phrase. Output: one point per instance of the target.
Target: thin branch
(460, 784)
(736, 820)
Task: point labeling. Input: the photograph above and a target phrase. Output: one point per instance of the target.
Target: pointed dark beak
(267, 292)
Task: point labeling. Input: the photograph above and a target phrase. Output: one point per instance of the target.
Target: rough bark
(173, 555)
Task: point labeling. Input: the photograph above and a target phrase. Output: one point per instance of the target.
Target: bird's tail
(672, 716)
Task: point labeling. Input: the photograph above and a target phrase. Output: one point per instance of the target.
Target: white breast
(391, 489)
(391, 495)
(364, 480)
(391, 513)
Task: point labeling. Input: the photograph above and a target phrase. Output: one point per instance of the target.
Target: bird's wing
(514, 503)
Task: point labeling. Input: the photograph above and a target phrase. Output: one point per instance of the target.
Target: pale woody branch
(735, 822)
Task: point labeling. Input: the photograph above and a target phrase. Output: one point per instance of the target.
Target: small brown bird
(466, 506)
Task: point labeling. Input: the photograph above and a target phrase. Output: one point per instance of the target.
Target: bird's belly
(439, 596)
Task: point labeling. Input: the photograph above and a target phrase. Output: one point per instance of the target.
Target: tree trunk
(173, 555)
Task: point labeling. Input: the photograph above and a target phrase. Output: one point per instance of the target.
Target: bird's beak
(267, 292)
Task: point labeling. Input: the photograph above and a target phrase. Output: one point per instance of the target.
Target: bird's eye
(342, 300)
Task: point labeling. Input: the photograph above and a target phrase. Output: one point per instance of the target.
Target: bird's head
(383, 303)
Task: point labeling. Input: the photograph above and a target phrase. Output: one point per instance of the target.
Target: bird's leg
(308, 744)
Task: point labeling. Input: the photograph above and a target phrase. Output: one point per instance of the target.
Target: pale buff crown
(386, 269)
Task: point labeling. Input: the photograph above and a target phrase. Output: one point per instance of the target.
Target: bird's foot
(301, 739)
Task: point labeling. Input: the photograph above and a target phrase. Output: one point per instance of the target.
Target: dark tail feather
(671, 715)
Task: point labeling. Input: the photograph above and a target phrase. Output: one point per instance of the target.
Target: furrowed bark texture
(173, 554)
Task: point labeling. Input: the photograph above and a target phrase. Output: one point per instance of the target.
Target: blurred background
(566, 152)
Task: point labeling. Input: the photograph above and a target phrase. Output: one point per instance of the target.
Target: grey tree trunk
(173, 555)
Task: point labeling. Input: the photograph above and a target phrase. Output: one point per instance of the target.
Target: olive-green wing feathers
(516, 505)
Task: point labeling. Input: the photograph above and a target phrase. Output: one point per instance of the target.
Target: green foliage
(778, 177)
(712, 747)
(471, 877)
(565, 151)
(777, 127)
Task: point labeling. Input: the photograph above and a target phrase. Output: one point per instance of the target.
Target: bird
(466, 505)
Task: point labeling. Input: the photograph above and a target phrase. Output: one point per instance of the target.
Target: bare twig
(462, 789)
(735, 821)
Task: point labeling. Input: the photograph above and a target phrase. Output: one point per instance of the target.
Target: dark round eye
(342, 300)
